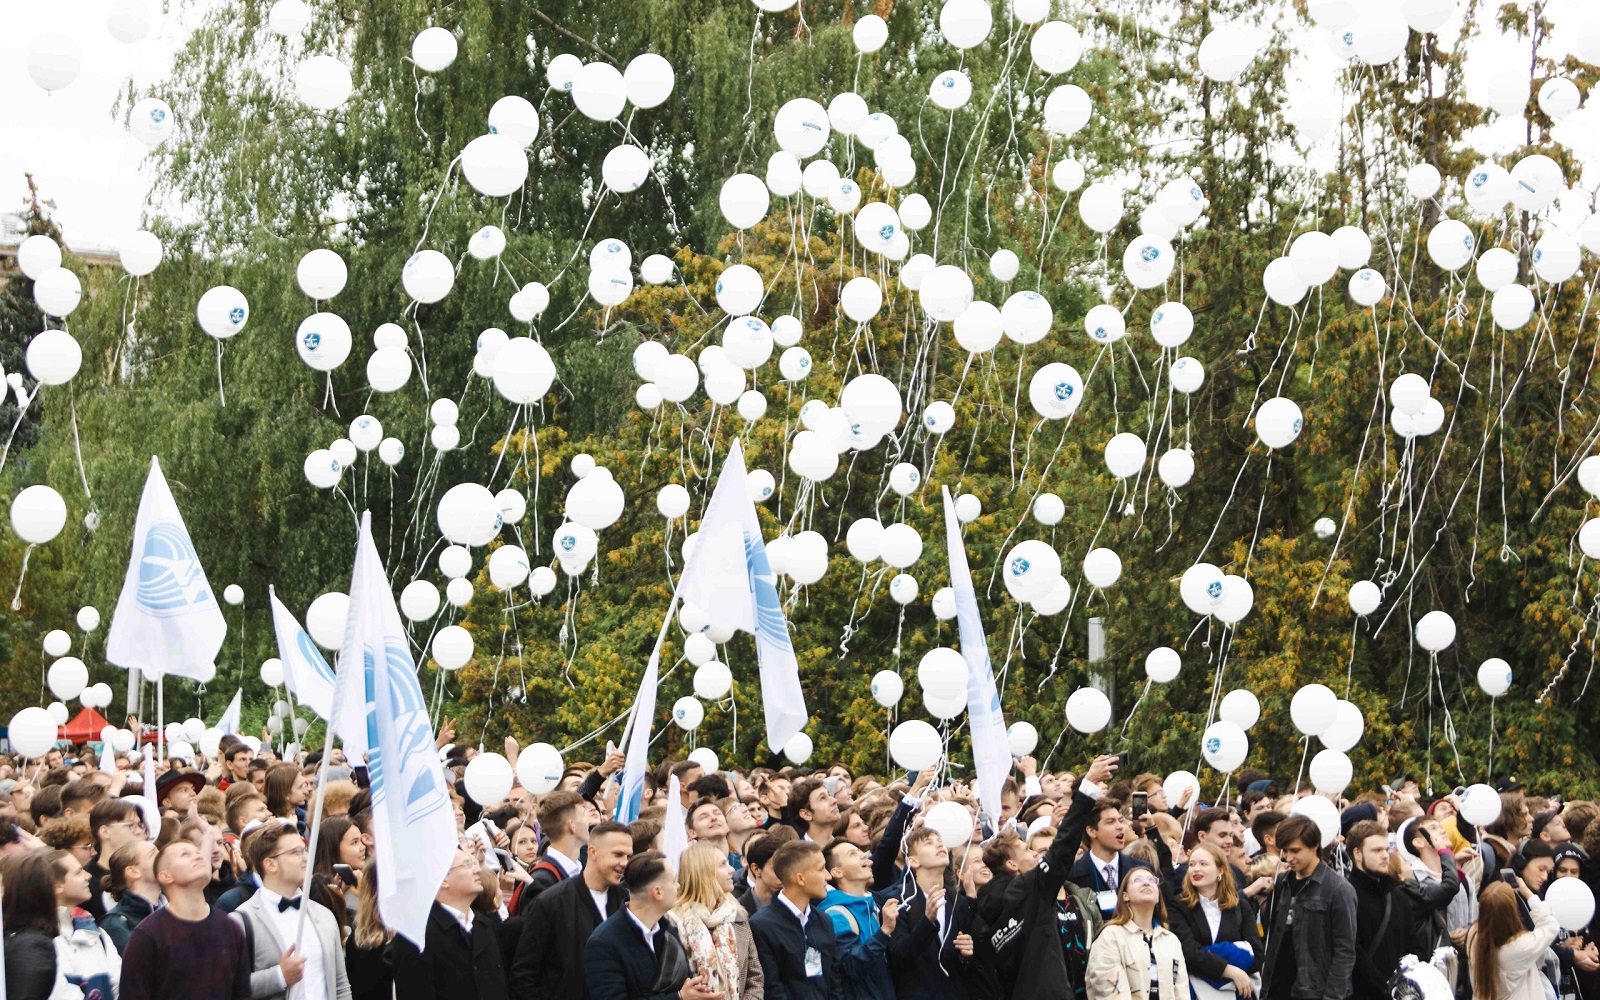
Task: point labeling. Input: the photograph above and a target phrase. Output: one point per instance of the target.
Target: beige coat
(1119, 965)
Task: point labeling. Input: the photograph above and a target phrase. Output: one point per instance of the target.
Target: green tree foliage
(1474, 520)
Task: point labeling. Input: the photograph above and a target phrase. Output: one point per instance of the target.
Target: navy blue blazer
(781, 944)
(621, 966)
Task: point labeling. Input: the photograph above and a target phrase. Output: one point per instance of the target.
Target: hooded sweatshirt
(863, 946)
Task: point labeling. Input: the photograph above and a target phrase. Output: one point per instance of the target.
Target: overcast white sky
(91, 167)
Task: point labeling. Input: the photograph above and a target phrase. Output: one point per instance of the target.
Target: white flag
(638, 735)
(674, 833)
(306, 674)
(728, 578)
(991, 749)
(229, 723)
(167, 619)
(413, 824)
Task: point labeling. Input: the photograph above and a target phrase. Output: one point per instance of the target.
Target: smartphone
(345, 874)
(1122, 761)
(1509, 877)
(1141, 804)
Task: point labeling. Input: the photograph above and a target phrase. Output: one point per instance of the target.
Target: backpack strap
(848, 917)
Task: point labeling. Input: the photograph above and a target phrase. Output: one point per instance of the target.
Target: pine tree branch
(563, 32)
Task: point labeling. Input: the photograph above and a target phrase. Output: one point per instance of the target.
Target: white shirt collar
(801, 915)
(464, 919)
(568, 867)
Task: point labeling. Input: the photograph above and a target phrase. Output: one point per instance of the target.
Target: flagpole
(161, 715)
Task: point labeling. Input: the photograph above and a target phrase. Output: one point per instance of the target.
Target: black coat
(1026, 945)
(1086, 870)
(1194, 933)
(781, 944)
(451, 964)
(621, 966)
(922, 960)
(30, 964)
(370, 970)
(555, 928)
(1378, 954)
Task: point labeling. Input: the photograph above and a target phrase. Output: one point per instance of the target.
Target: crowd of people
(786, 883)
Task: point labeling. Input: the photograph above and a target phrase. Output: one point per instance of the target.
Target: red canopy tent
(84, 727)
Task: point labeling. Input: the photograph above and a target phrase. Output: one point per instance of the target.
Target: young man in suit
(637, 951)
(556, 925)
(1103, 865)
(794, 938)
(460, 957)
(271, 922)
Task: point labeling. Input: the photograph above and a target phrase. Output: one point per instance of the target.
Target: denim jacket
(1324, 930)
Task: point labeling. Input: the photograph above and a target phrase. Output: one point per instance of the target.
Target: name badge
(1108, 900)
(813, 963)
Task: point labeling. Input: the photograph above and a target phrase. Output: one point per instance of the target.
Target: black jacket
(30, 964)
(621, 966)
(922, 960)
(1086, 870)
(1386, 930)
(1026, 946)
(120, 920)
(451, 964)
(1429, 903)
(781, 944)
(1324, 933)
(885, 868)
(1194, 933)
(555, 928)
(370, 970)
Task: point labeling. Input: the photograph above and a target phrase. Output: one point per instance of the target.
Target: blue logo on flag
(170, 579)
(414, 743)
(313, 656)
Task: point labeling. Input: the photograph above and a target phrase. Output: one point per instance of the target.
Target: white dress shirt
(313, 979)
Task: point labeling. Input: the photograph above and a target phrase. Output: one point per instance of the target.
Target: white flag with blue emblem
(307, 675)
(729, 578)
(167, 619)
(413, 823)
(637, 736)
(229, 723)
(991, 749)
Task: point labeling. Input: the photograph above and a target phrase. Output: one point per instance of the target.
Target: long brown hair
(370, 931)
(279, 786)
(1227, 895)
(1124, 914)
(1498, 923)
(30, 896)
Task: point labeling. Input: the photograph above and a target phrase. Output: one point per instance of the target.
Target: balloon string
(77, 444)
(16, 600)
(221, 396)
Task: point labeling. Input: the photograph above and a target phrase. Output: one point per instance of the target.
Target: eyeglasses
(1144, 880)
(294, 852)
(132, 824)
(463, 864)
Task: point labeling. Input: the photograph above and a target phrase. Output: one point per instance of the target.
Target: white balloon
(1125, 455)
(688, 713)
(323, 82)
(1067, 110)
(88, 618)
(515, 118)
(802, 128)
(1278, 422)
(1105, 324)
(968, 507)
(965, 23)
(870, 34)
(495, 165)
(523, 370)
(1512, 306)
(53, 357)
(1321, 812)
(428, 276)
(452, 647)
(743, 200)
(1226, 51)
(1570, 900)
(54, 60)
(1240, 707)
(1283, 282)
(1181, 786)
(1497, 268)
(488, 778)
(1480, 805)
(915, 745)
(901, 546)
(1067, 175)
(1026, 317)
(57, 642)
(1088, 710)
(978, 329)
(1422, 180)
(1367, 287)
(37, 255)
(151, 121)
(1451, 244)
(739, 290)
(38, 514)
(272, 672)
(1055, 47)
(1556, 257)
(1436, 630)
(1224, 746)
(1312, 708)
(1201, 588)
(887, 688)
(508, 566)
(57, 292)
(1049, 509)
(952, 89)
(953, 822)
(1494, 676)
(129, 21)
(1162, 664)
(1100, 206)
(1536, 180)
(1023, 738)
(648, 80)
(712, 680)
(944, 603)
(1488, 187)
(1331, 772)
(1031, 567)
(67, 678)
(599, 91)
(1102, 567)
(323, 341)
(433, 49)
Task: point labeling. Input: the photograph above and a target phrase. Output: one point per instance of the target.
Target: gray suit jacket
(266, 979)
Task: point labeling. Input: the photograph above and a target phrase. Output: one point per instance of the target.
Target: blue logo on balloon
(886, 232)
(948, 81)
(568, 543)
(170, 578)
(1064, 390)
(1214, 589)
(1480, 178)
(1297, 425)
(805, 362)
(1149, 254)
(158, 115)
(312, 340)
(236, 315)
(1214, 744)
(1019, 566)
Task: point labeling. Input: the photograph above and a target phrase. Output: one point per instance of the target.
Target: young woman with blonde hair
(713, 926)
